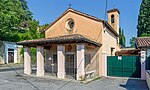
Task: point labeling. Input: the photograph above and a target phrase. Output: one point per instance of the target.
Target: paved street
(11, 81)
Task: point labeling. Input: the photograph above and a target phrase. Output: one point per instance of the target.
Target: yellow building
(76, 45)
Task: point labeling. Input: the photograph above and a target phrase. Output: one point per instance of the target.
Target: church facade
(76, 44)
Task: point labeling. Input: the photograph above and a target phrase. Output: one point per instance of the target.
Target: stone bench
(33, 69)
(90, 74)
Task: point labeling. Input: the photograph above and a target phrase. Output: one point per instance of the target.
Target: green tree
(17, 23)
(144, 19)
(132, 42)
(41, 30)
(26, 9)
(145, 34)
(122, 38)
(12, 15)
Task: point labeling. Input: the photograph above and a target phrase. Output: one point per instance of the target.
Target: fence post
(104, 64)
(143, 62)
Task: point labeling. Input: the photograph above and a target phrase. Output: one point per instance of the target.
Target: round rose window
(70, 24)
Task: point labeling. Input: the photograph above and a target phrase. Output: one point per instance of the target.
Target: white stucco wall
(148, 52)
(109, 40)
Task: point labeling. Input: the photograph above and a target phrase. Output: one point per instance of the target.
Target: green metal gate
(124, 66)
(148, 63)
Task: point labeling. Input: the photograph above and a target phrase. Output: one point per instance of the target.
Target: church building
(76, 45)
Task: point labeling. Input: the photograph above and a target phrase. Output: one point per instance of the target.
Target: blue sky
(46, 11)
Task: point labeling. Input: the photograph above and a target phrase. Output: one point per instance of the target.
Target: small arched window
(112, 19)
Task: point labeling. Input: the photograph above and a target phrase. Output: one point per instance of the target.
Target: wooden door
(10, 55)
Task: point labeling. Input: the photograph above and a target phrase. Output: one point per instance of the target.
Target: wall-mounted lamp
(104, 29)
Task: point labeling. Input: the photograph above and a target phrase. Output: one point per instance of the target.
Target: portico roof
(74, 38)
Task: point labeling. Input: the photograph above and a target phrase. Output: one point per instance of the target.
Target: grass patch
(97, 78)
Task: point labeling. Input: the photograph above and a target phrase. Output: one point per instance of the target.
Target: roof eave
(144, 47)
(76, 39)
(110, 27)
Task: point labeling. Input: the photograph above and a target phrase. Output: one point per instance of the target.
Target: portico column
(80, 62)
(61, 61)
(40, 61)
(27, 61)
(15, 56)
(143, 62)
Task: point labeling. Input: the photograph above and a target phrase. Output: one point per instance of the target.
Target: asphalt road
(10, 80)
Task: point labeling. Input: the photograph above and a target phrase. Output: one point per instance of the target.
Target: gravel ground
(9, 80)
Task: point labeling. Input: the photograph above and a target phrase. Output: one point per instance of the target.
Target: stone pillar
(15, 56)
(61, 61)
(27, 61)
(104, 64)
(143, 63)
(80, 62)
(40, 61)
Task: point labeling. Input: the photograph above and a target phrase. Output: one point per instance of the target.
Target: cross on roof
(70, 5)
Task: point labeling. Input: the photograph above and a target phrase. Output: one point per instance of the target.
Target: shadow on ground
(135, 84)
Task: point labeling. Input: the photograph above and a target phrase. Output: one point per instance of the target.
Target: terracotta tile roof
(112, 10)
(127, 52)
(74, 38)
(142, 42)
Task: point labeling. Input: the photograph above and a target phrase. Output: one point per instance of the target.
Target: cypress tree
(144, 19)
(122, 38)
